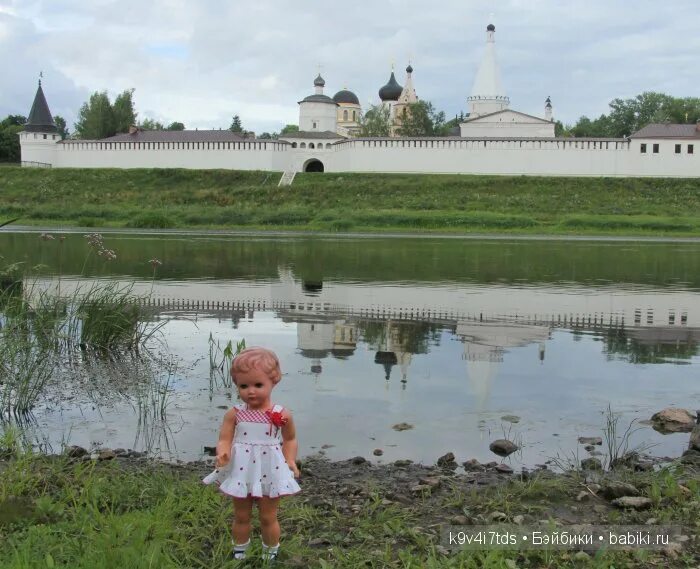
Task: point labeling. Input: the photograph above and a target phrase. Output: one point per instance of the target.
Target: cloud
(202, 62)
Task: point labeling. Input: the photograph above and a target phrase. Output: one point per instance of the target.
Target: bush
(151, 220)
(87, 222)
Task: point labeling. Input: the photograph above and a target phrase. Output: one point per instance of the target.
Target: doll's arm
(223, 447)
(289, 443)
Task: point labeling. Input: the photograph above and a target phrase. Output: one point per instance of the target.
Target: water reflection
(447, 336)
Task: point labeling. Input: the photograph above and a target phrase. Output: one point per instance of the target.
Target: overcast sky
(200, 62)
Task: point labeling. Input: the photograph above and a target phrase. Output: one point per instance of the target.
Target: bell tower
(488, 95)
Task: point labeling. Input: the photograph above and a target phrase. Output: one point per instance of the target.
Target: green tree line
(627, 116)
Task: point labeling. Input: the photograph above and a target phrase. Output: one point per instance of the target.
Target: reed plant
(220, 360)
(42, 326)
(25, 370)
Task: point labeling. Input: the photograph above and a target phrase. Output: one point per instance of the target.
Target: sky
(201, 62)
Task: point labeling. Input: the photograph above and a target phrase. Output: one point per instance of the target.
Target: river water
(467, 340)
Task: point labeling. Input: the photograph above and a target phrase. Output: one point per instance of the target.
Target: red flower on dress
(276, 419)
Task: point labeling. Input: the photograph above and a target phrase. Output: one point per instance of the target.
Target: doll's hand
(293, 467)
(223, 456)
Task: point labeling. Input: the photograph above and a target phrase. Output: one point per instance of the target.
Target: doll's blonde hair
(258, 358)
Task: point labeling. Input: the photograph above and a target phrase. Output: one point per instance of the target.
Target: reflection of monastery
(492, 139)
(398, 323)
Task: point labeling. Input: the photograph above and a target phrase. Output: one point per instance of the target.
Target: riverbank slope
(58, 511)
(177, 198)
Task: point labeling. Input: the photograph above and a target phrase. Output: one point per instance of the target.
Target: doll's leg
(269, 525)
(243, 508)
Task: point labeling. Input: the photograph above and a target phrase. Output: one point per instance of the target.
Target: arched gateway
(313, 165)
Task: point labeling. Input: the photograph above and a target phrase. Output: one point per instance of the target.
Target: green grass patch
(60, 513)
(162, 198)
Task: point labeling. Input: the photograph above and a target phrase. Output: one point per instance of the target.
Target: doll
(256, 452)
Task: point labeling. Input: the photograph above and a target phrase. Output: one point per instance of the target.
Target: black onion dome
(347, 97)
(391, 91)
(409, 69)
(319, 81)
(490, 28)
(548, 102)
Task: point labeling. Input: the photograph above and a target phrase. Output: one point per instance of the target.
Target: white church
(493, 139)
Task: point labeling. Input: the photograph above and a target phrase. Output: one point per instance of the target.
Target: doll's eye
(243, 386)
(258, 385)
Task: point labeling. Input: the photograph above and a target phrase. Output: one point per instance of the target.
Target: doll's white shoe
(269, 554)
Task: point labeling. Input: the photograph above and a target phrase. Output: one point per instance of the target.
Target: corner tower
(40, 135)
(488, 95)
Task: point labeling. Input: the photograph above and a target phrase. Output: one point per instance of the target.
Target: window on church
(354, 116)
(678, 148)
(655, 149)
(690, 149)
(311, 144)
(345, 115)
(643, 148)
(314, 125)
(44, 137)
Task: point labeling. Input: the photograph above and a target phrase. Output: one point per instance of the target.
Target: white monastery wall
(38, 147)
(544, 157)
(253, 155)
(562, 157)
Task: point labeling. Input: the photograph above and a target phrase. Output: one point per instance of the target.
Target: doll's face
(254, 388)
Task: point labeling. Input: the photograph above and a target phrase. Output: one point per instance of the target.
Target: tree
(124, 114)
(236, 125)
(586, 127)
(627, 116)
(175, 126)
(289, 129)
(10, 127)
(376, 122)
(421, 119)
(61, 126)
(561, 130)
(266, 136)
(150, 124)
(96, 118)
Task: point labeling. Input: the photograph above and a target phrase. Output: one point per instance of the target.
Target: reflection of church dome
(391, 91)
(386, 359)
(347, 97)
(312, 287)
(342, 353)
(315, 354)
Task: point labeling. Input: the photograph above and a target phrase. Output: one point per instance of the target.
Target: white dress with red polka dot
(257, 467)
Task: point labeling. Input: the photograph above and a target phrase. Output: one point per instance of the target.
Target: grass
(169, 198)
(60, 513)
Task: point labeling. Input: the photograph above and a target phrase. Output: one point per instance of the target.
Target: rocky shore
(429, 497)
